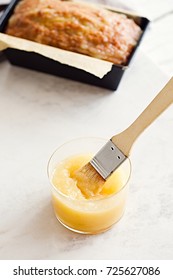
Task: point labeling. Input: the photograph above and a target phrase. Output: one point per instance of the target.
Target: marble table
(39, 112)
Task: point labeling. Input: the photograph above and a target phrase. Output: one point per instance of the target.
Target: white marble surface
(39, 112)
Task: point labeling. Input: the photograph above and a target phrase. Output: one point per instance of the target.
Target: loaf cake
(76, 27)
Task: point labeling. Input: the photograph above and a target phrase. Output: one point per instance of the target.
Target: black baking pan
(2, 7)
(38, 62)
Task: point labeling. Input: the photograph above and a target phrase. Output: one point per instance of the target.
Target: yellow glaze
(82, 214)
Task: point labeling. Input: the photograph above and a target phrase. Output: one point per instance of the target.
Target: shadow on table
(44, 84)
(2, 57)
(47, 233)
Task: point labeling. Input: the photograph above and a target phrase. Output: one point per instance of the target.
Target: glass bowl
(87, 216)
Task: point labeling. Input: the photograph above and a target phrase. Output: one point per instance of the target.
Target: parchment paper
(89, 64)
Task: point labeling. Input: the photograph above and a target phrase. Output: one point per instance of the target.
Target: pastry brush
(92, 176)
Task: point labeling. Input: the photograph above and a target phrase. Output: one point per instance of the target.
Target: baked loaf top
(75, 27)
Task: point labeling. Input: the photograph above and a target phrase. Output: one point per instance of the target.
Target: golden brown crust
(75, 27)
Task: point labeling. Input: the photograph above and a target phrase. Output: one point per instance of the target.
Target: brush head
(92, 176)
(89, 181)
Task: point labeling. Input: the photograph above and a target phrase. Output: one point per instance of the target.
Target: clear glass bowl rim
(87, 200)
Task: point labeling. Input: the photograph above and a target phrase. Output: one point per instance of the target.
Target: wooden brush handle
(125, 139)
